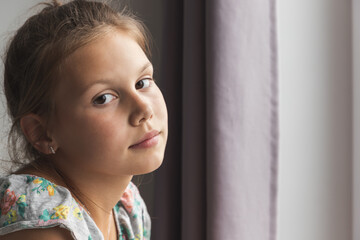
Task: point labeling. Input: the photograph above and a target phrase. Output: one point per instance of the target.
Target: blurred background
(318, 171)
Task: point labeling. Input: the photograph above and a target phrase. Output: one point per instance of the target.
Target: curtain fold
(219, 79)
(166, 222)
(194, 122)
(241, 119)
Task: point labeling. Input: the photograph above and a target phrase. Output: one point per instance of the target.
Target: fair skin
(107, 104)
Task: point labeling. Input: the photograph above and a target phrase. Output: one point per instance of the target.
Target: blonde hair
(35, 53)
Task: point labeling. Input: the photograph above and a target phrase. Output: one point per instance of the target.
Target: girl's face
(110, 116)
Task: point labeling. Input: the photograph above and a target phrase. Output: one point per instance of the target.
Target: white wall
(315, 165)
(12, 14)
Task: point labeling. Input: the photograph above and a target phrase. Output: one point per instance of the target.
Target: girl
(87, 116)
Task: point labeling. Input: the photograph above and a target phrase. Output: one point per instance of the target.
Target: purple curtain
(218, 76)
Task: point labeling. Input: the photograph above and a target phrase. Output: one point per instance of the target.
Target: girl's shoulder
(32, 202)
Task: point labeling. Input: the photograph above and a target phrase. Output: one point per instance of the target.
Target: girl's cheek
(160, 103)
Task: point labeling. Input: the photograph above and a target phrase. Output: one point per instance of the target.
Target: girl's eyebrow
(108, 81)
(148, 64)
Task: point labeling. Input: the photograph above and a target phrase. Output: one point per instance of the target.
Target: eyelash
(101, 97)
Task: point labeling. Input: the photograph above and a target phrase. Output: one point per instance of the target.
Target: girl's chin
(149, 168)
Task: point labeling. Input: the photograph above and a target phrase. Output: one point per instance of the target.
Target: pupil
(101, 99)
(139, 84)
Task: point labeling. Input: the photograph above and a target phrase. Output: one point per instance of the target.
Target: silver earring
(52, 150)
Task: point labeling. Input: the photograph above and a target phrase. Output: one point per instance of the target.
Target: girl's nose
(141, 112)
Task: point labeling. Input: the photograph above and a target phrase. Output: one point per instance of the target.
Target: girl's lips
(150, 139)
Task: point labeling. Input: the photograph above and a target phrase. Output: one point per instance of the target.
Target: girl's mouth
(150, 139)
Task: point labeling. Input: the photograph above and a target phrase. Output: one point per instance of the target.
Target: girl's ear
(35, 131)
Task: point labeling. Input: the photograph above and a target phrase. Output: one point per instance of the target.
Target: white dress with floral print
(31, 202)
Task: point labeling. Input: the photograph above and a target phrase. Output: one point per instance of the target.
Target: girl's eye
(143, 83)
(104, 99)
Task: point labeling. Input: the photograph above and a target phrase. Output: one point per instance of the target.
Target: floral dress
(31, 202)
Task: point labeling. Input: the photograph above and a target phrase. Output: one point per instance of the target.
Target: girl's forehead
(114, 56)
(115, 44)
